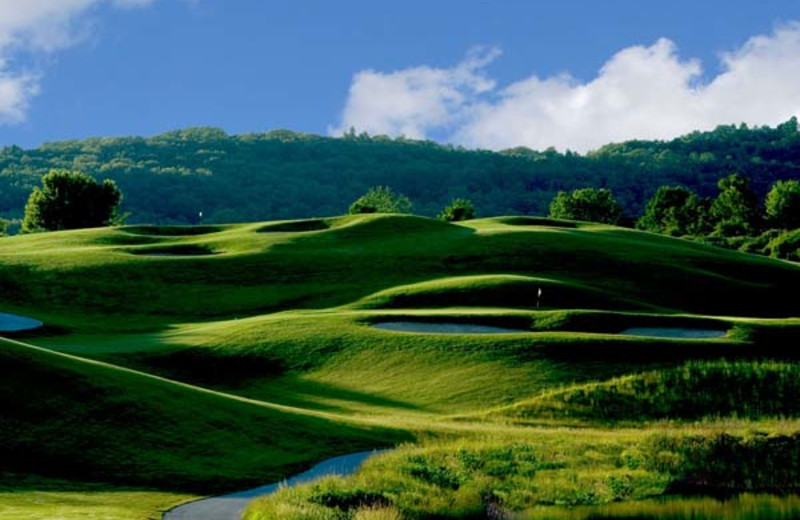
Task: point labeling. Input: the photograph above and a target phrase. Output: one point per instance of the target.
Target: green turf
(90, 421)
(74, 277)
(184, 360)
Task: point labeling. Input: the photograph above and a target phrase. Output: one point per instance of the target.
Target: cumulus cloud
(414, 101)
(38, 26)
(641, 92)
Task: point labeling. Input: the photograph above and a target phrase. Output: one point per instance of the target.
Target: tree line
(173, 177)
(734, 218)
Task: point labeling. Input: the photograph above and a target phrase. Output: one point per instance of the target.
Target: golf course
(505, 367)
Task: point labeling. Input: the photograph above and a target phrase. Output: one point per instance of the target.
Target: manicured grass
(328, 360)
(90, 421)
(23, 497)
(69, 274)
(249, 352)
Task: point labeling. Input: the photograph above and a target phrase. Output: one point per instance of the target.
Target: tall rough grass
(500, 479)
(695, 390)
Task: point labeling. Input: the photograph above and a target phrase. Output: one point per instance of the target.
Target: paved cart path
(231, 507)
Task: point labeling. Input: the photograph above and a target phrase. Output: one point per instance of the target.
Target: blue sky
(490, 74)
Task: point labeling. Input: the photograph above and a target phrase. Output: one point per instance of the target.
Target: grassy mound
(327, 360)
(506, 291)
(367, 254)
(693, 391)
(278, 331)
(94, 422)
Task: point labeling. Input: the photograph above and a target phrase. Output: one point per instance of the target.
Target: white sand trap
(14, 323)
(674, 332)
(444, 328)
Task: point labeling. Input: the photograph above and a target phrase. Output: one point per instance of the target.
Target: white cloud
(16, 89)
(38, 26)
(414, 101)
(640, 92)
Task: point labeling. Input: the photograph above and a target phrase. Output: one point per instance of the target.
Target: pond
(14, 323)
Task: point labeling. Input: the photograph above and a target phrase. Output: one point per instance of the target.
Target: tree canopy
(676, 211)
(590, 204)
(783, 205)
(736, 210)
(71, 200)
(282, 174)
(381, 199)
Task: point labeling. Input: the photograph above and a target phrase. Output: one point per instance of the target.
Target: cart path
(231, 507)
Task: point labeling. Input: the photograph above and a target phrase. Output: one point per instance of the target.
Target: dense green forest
(171, 178)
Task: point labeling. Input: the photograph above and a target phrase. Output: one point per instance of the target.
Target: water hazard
(14, 323)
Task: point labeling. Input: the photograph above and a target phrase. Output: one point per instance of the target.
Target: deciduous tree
(590, 204)
(783, 205)
(71, 200)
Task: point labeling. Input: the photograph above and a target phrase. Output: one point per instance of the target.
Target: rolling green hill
(161, 275)
(67, 417)
(182, 360)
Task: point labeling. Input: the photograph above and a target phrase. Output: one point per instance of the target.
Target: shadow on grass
(172, 231)
(258, 377)
(320, 396)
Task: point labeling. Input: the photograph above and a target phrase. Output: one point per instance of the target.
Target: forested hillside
(173, 177)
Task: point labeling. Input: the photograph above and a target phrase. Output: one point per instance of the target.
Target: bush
(381, 199)
(458, 210)
(786, 246)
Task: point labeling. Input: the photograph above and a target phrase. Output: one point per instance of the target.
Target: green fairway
(181, 361)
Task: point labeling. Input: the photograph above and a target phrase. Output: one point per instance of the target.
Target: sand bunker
(177, 250)
(14, 323)
(444, 328)
(674, 332)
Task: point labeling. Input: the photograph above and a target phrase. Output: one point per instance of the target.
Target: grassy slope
(693, 391)
(329, 360)
(90, 421)
(254, 272)
(27, 497)
(122, 305)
